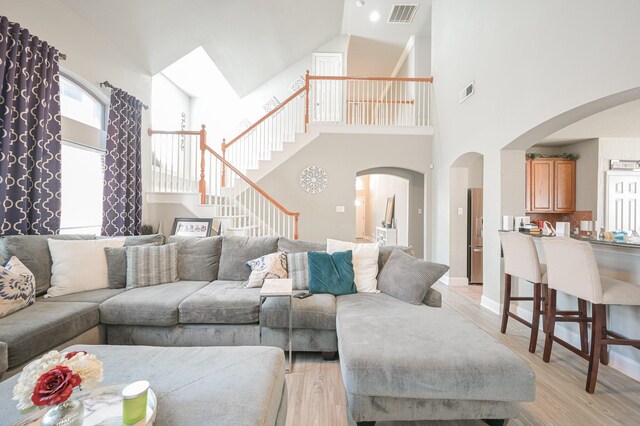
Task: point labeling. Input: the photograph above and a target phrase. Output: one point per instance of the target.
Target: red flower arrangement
(55, 386)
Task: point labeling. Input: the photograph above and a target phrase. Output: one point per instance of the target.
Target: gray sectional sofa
(399, 361)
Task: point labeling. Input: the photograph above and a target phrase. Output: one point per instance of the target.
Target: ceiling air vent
(402, 13)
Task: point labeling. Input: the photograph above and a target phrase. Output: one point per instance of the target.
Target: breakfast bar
(620, 260)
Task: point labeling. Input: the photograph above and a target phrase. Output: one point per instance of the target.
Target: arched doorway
(373, 189)
(466, 220)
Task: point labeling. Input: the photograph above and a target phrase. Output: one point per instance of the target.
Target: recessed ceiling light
(360, 3)
(375, 16)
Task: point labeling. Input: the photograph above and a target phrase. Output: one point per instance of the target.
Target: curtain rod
(111, 86)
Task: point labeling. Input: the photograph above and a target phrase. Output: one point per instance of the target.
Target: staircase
(187, 170)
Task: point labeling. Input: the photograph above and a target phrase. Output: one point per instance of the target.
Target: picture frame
(192, 227)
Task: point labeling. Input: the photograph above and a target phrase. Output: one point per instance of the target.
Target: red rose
(55, 386)
(72, 354)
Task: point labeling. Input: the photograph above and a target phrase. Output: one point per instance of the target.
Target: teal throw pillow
(331, 273)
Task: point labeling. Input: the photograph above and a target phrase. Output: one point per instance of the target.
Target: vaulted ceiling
(250, 41)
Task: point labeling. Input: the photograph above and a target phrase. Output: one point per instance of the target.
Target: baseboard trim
(458, 281)
(444, 279)
(490, 304)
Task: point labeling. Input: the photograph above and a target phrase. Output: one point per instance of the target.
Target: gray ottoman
(407, 362)
(195, 386)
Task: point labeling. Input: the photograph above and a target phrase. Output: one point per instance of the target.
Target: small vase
(69, 413)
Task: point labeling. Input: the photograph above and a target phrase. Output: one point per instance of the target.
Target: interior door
(622, 212)
(327, 94)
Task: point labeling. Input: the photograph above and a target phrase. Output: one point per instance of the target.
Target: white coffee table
(280, 288)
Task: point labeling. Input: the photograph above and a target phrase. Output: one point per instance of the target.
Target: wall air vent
(402, 13)
(466, 92)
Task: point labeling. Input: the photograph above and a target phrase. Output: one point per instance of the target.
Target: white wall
(380, 188)
(524, 77)
(343, 156)
(168, 103)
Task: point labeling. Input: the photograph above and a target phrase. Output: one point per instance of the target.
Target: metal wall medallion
(313, 179)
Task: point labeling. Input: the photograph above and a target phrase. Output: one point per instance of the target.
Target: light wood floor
(317, 398)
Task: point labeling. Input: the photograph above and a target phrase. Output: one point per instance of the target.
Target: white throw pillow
(269, 266)
(365, 263)
(79, 265)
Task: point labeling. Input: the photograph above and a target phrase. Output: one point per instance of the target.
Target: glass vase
(69, 413)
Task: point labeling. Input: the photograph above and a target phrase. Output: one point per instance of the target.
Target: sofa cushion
(393, 349)
(91, 296)
(385, 252)
(222, 302)
(408, 278)
(4, 358)
(317, 312)
(33, 251)
(139, 240)
(270, 266)
(42, 326)
(198, 258)
(79, 265)
(331, 273)
(152, 265)
(299, 246)
(237, 251)
(154, 305)
(298, 270)
(17, 287)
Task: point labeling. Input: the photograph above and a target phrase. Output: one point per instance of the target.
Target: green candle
(134, 402)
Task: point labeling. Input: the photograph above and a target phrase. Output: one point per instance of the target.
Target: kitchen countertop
(609, 243)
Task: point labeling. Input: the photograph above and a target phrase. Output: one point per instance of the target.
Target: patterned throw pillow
(270, 266)
(152, 265)
(17, 287)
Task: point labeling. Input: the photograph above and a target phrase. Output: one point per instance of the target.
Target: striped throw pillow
(298, 264)
(152, 265)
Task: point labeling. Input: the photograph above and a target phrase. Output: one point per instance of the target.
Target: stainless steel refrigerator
(474, 236)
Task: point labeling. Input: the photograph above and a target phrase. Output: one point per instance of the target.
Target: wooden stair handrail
(226, 145)
(252, 183)
(344, 77)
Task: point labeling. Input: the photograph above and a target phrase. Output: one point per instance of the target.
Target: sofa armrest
(433, 298)
(4, 358)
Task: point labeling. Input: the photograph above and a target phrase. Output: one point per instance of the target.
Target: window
(82, 180)
(83, 146)
(80, 105)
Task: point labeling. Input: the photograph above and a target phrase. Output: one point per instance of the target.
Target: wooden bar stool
(572, 270)
(521, 260)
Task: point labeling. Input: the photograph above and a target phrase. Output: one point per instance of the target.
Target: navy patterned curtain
(122, 196)
(30, 137)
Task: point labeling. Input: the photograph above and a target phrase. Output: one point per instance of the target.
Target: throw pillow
(270, 266)
(237, 251)
(117, 264)
(385, 252)
(152, 265)
(79, 265)
(17, 287)
(331, 273)
(365, 263)
(408, 278)
(298, 269)
(198, 258)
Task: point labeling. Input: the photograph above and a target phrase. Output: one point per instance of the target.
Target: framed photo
(192, 227)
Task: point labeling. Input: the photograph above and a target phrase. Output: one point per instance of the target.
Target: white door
(622, 212)
(327, 94)
(361, 221)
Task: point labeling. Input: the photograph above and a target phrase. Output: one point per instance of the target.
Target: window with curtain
(83, 144)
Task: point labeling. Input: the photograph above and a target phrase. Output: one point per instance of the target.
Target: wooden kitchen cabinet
(551, 185)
